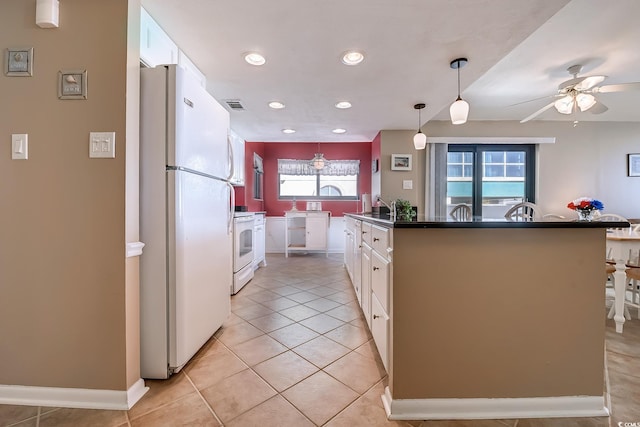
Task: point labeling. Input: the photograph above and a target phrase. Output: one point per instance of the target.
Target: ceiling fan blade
(589, 82)
(534, 99)
(617, 88)
(598, 108)
(537, 113)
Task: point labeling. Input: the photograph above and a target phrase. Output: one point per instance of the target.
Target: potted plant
(404, 210)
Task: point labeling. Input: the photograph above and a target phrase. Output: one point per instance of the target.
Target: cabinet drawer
(258, 219)
(380, 330)
(366, 233)
(380, 239)
(380, 279)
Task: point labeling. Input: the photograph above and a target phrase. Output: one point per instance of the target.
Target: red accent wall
(272, 151)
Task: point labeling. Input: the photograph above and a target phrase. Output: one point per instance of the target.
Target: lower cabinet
(259, 259)
(375, 283)
(365, 283)
(380, 329)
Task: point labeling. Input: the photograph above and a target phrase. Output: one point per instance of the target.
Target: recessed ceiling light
(339, 130)
(352, 57)
(288, 130)
(254, 58)
(276, 105)
(343, 104)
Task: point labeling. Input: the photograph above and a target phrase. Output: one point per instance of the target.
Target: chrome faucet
(392, 207)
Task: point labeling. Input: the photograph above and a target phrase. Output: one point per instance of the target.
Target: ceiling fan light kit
(577, 93)
(459, 110)
(419, 139)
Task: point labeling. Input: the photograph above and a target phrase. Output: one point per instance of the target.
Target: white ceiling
(518, 50)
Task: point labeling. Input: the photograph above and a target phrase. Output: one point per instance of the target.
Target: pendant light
(419, 139)
(319, 162)
(459, 110)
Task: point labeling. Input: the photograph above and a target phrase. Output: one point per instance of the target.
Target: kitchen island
(485, 319)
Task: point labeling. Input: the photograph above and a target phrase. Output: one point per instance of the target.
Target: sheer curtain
(435, 198)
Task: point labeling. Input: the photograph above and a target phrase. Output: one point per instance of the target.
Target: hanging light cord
(459, 98)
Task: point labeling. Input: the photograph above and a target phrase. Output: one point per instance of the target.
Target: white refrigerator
(186, 217)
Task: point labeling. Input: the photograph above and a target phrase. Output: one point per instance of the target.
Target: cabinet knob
(375, 239)
(376, 268)
(364, 232)
(375, 316)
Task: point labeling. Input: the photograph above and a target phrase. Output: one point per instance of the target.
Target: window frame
(478, 151)
(317, 190)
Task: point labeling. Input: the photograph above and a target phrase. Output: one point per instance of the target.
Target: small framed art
(633, 164)
(401, 162)
(18, 62)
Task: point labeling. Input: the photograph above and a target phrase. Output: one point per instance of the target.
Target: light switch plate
(102, 145)
(407, 184)
(19, 146)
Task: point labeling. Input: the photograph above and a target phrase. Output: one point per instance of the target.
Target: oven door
(243, 242)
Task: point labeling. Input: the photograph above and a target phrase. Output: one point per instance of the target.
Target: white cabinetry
(237, 144)
(306, 231)
(156, 47)
(259, 259)
(375, 254)
(352, 253)
(185, 62)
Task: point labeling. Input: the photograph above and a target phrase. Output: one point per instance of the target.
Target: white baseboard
(498, 408)
(72, 397)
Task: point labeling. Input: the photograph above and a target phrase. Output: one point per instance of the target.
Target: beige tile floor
(296, 352)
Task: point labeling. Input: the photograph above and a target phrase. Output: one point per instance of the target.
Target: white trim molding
(73, 397)
(498, 408)
(490, 140)
(134, 249)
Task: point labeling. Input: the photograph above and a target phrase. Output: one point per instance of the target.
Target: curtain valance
(303, 167)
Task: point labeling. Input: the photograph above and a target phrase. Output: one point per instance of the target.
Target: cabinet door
(258, 250)
(156, 47)
(380, 330)
(357, 256)
(380, 279)
(237, 144)
(365, 281)
(348, 254)
(316, 232)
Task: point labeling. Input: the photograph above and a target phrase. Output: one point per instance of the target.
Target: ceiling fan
(578, 93)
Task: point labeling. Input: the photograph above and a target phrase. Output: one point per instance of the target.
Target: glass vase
(585, 215)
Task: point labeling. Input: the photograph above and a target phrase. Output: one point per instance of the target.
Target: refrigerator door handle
(232, 169)
(232, 206)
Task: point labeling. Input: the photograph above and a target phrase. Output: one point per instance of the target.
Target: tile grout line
(278, 393)
(204, 400)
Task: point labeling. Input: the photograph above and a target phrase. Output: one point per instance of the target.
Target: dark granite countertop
(424, 222)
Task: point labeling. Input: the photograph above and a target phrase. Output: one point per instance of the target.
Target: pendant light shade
(319, 162)
(419, 139)
(459, 110)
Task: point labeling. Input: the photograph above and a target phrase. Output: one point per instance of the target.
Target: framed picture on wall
(401, 162)
(633, 164)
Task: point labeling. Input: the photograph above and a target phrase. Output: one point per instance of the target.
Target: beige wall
(62, 228)
(586, 160)
(401, 142)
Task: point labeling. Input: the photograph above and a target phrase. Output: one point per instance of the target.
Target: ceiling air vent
(234, 104)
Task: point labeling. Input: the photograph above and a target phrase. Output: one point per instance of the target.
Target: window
(337, 181)
(258, 171)
(490, 178)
